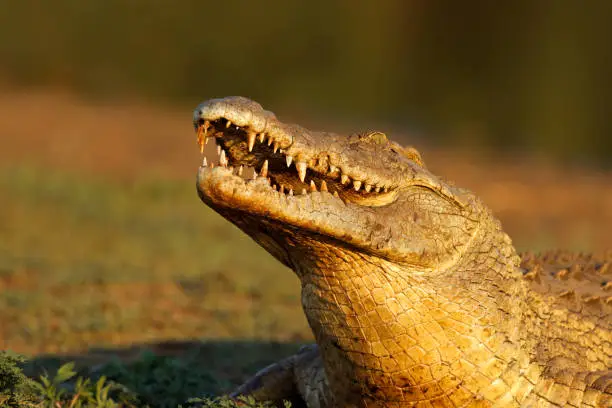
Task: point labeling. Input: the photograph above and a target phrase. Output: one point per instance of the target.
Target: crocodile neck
(424, 333)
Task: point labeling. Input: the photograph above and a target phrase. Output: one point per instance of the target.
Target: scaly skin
(415, 295)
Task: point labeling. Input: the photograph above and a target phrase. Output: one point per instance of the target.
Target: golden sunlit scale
(415, 295)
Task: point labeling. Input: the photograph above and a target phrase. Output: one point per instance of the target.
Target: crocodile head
(361, 192)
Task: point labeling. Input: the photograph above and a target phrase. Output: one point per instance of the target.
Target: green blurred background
(519, 75)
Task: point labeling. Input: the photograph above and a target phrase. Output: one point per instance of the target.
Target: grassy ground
(109, 269)
(91, 263)
(106, 251)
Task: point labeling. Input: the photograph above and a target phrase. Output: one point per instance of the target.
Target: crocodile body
(415, 295)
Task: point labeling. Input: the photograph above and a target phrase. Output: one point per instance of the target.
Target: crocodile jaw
(270, 171)
(365, 192)
(315, 211)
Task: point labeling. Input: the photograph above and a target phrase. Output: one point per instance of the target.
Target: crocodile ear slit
(414, 155)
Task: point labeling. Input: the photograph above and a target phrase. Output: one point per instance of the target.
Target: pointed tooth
(323, 186)
(228, 124)
(377, 189)
(303, 191)
(206, 140)
(282, 188)
(254, 174)
(313, 186)
(289, 160)
(356, 185)
(262, 137)
(204, 162)
(332, 169)
(344, 179)
(201, 148)
(270, 140)
(231, 169)
(386, 189)
(223, 159)
(264, 169)
(218, 150)
(367, 188)
(237, 127)
(275, 147)
(251, 141)
(291, 192)
(281, 151)
(301, 169)
(336, 194)
(240, 170)
(212, 165)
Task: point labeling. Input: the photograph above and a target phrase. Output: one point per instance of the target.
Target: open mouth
(252, 155)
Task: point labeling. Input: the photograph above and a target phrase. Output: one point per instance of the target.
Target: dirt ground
(554, 205)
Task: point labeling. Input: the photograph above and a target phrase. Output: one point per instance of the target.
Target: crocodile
(415, 295)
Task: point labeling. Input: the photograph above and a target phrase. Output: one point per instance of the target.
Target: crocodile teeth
(264, 169)
(317, 164)
(251, 137)
(301, 168)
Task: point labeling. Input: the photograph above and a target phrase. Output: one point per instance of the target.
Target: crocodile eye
(376, 137)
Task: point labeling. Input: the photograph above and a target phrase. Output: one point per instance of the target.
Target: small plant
(58, 392)
(161, 381)
(152, 382)
(225, 402)
(15, 387)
